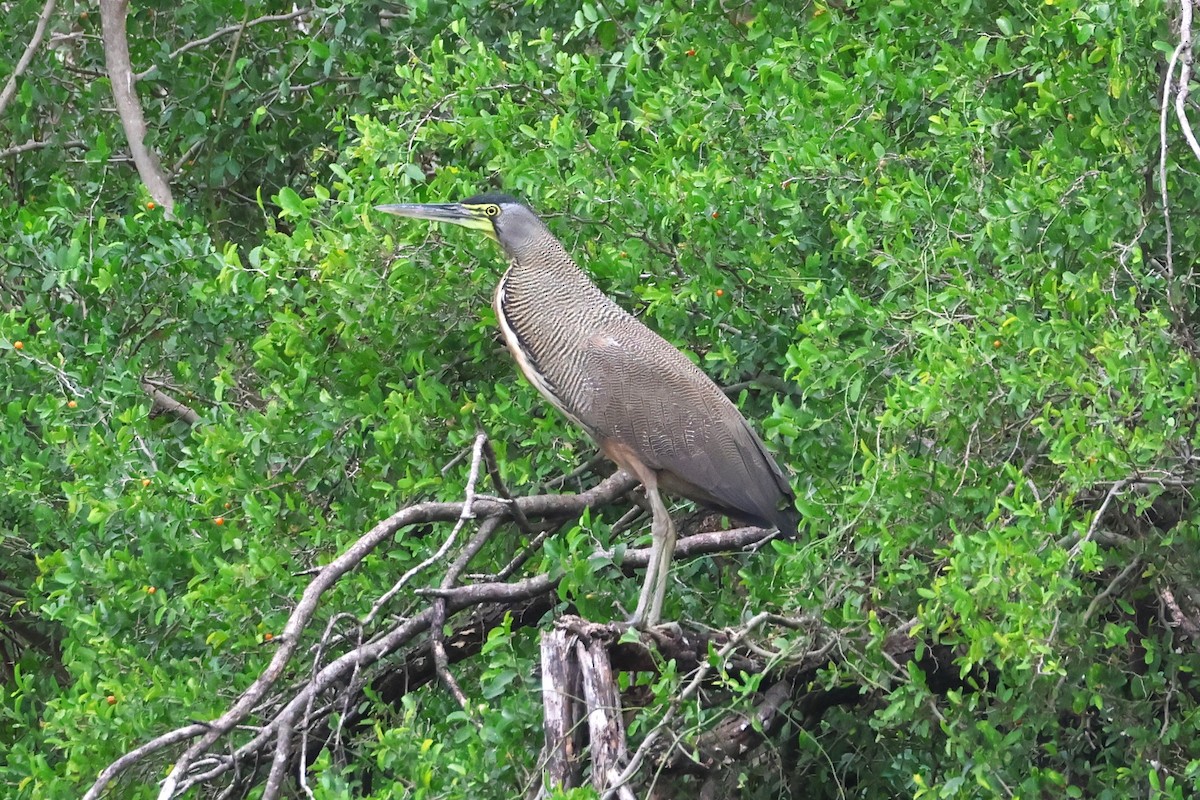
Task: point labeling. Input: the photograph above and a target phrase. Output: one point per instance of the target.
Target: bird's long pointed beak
(453, 213)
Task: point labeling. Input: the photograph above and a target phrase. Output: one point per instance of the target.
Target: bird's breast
(540, 337)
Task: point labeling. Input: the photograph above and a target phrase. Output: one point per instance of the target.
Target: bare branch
(165, 404)
(217, 34)
(126, 761)
(560, 698)
(689, 691)
(436, 635)
(467, 513)
(129, 108)
(606, 728)
(289, 640)
(1184, 51)
(23, 63)
(36, 144)
(1113, 491)
(297, 710)
(1117, 582)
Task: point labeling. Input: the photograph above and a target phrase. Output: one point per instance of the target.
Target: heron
(649, 409)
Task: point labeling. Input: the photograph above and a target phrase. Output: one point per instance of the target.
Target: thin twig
(493, 469)
(520, 558)
(38, 144)
(308, 710)
(1113, 491)
(467, 513)
(217, 34)
(1130, 568)
(692, 688)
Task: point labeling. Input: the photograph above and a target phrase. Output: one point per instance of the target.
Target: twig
(493, 469)
(436, 633)
(186, 157)
(23, 63)
(1113, 491)
(464, 515)
(692, 688)
(1130, 568)
(520, 558)
(302, 771)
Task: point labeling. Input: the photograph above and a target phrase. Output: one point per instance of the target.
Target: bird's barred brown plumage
(645, 403)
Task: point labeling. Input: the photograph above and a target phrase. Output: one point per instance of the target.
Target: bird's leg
(654, 588)
(666, 551)
(639, 618)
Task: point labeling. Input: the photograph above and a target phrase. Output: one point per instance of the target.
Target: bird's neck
(546, 277)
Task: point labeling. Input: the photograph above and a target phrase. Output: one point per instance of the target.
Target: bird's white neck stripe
(528, 368)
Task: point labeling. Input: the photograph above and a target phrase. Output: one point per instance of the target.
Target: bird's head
(501, 217)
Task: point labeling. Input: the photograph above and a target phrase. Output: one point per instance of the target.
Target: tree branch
(39, 32)
(289, 639)
(37, 144)
(129, 108)
(217, 34)
(165, 404)
(1184, 51)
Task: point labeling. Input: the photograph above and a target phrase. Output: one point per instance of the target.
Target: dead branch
(606, 728)
(693, 686)
(129, 108)
(541, 506)
(10, 88)
(560, 698)
(578, 652)
(1188, 624)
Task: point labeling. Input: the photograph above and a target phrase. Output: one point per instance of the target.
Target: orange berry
(219, 521)
(720, 292)
(997, 343)
(150, 206)
(715, 215)
(111, 699)
(145, 481)
(151, 590)
(691, 51)
(268, 636)
(71, 404)
(18, 345)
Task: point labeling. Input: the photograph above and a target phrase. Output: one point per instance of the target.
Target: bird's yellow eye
(492, 211)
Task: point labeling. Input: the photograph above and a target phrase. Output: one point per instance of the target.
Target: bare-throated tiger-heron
(649, 408)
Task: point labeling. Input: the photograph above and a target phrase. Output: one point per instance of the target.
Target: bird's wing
(639, 391)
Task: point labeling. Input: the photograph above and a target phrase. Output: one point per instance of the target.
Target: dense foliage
(932, 241)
